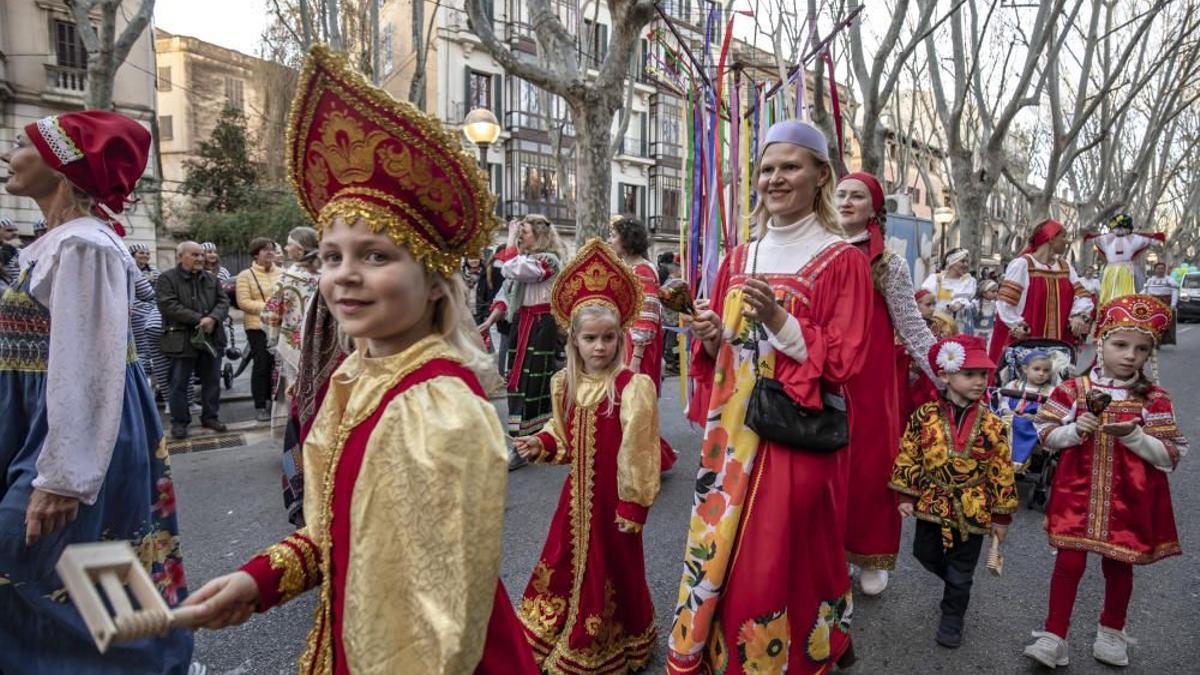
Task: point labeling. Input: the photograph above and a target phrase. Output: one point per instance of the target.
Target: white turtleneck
(785, 249)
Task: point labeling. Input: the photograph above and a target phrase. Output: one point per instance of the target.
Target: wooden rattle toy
(113, 566)
(995, 560)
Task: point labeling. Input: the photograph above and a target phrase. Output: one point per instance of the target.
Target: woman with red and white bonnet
(872, 522)
(81, 444)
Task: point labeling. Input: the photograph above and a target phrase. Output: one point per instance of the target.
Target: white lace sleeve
(89, 339)
(906, 318)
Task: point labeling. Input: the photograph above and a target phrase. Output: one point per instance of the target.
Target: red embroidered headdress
(356, 152)
(1143, 313)
(596, 276)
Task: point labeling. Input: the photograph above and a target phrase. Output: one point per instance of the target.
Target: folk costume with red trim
(765, 584)
(1110, 495)
(407, 570)
(1042, 296)
(1120, 248)
(957, 470)
(587, 607)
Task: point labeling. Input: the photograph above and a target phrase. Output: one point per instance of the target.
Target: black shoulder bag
(777, 418)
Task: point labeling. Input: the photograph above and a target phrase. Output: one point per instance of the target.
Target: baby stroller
(231, 354)
(1018, 402)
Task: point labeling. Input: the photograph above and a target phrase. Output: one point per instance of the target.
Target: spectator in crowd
(212, 262)
(193, 305)
(254, 287)
(10, 266)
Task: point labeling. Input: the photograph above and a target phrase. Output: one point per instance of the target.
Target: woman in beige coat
(254, 288)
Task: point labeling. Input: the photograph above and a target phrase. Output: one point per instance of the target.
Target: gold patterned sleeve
(908, 470)
(553, 437)
(639, 457)
(427, 519)
(285, 570)
(1001, 477)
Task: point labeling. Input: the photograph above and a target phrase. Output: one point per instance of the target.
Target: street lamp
(943, 216)
(481, 128)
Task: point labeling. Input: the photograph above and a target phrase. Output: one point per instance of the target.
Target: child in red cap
(954, 474)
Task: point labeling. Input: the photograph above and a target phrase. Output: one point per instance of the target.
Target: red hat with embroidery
(959, 352)
(356, 152)
(101, 153)
(1142, 313)
(596, 276)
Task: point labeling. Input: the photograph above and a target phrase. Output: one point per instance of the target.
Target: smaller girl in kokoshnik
(587, 608)
(1117, 438)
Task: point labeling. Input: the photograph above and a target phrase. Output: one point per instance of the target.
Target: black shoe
(179, 431)
(949, 633)
(215, 425)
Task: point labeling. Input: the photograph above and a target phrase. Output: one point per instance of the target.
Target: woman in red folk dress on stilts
(402, 516)
(872, 522)
(644, 339)
(1110, 495)
(765, 585)
(587, 608)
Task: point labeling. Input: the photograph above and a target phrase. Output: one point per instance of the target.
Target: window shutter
(498, 97)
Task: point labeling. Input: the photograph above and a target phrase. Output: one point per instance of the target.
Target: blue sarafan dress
(78, 419)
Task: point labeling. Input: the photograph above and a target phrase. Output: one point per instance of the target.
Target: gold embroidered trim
(878, 561)
(628, 525)
(293, 582)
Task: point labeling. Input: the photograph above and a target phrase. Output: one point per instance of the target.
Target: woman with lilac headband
(794, 306)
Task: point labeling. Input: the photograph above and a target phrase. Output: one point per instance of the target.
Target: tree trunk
(593, 167)
(973, 191)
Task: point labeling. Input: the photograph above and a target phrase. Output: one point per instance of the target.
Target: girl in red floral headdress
(1117, 438)
(587, 608)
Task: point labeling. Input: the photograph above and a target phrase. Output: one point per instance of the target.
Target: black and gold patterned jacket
(960, 477)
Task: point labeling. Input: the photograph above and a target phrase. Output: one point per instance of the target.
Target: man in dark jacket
(193, 305)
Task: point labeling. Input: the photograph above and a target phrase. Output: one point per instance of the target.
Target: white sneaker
(873, 581)
(1112, 646)
(1049, 650)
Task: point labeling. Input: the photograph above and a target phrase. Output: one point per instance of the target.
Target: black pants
(264, 365)
(208, 368)
(955, 566)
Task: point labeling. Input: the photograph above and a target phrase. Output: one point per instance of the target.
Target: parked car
(1189, 298)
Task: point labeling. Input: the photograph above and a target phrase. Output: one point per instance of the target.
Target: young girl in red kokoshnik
(587, 608)
(1110, 493)
(406, 463)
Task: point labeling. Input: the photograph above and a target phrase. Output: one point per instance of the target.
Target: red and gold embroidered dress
(1106, 499)
(587, 608)
(403, 518)
(765, 583)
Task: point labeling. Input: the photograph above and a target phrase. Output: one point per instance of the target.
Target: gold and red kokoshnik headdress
(1143, 313)
(356, 152)
(596, 276)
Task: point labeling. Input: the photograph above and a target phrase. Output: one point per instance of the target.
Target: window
(632, 200)
(68, 50)
(596, 42)
(166, 127)
(670, 198)
(635, 144)
(164, 78)
(234, 92)
(387, 63)
(479, 90)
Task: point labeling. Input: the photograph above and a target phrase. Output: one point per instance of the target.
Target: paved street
(230, 506)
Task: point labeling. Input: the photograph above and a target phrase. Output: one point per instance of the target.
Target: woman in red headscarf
(1041, 295)
(872, 522)
(81, 444)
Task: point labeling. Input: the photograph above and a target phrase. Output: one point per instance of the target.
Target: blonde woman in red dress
(1110, 494)
(406, 465)
(765, 584)
(587, 608)
(872, 522)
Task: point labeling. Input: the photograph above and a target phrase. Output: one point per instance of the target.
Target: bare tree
(593, 100)
(976, 117)
(105, 50)
(419, 84)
